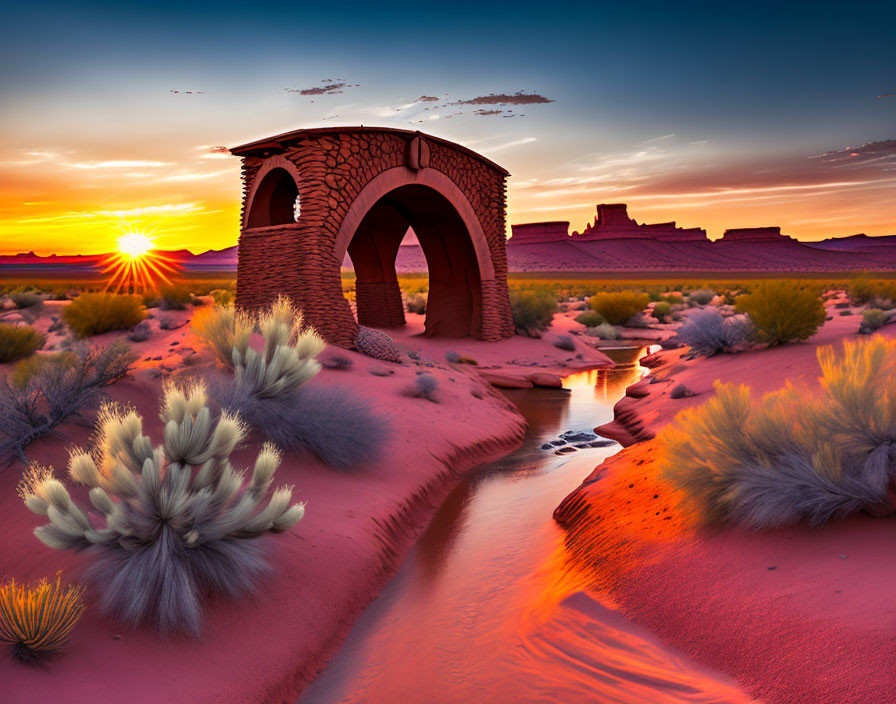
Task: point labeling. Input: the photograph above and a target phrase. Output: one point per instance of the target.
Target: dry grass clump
(37, 619)
(617, 307)
(170, 534)
(94, 313)
(18, 341)
(53, 392)
(792, 457)
(783, 311)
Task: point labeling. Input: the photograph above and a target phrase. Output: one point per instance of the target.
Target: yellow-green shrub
(618, 306)
(18, 341)
(93, 313)
(31, 366)
(783, 311)
(532, 311)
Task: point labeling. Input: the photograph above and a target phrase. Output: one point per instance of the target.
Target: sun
(136, 266)
(134, 244)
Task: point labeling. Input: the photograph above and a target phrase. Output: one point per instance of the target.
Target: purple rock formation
(537, 232)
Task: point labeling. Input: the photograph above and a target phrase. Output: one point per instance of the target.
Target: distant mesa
(537, 232)
(755, 234)
(612, 223)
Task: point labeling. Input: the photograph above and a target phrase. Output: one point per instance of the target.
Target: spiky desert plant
(288, 359)
(170, 534)
(37, 619)
(792, 457)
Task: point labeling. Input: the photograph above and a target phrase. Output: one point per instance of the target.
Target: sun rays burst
(137, 267)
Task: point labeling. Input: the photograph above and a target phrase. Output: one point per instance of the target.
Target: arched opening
(454, 307)
(276, 200)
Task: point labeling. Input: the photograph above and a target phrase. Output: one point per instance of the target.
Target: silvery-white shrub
(707, 332)
(178, 521)
(604, 331)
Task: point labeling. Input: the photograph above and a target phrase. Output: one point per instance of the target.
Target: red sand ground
(357, 528)
(795, 615)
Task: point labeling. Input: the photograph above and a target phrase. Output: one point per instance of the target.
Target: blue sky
(712, 115)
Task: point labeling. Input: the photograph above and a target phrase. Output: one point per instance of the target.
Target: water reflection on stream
(486, 607)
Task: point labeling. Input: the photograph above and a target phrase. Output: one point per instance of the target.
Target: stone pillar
(379, 304)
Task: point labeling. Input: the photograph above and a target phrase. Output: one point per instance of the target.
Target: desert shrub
(707, 333)
(25, 299)
(93, 313)
(174, 297)
(861, 289)
(590, 318)
(424, 386)
(673, 299)
(331, 423)
(791, 457)
(662, 311)
(18, 341)
(701, 297)
(565, 342)
(604, 331)
(533, 311)
(56, 392)
(618, 306)
(31, 367)
(783, 311)
(37, 619)
(167, 323)
(417, 304)
(377, 344)
(872, 320)
(170, 534)
(140, 332)
(222, 296)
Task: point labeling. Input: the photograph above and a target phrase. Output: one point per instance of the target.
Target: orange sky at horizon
(58, 201)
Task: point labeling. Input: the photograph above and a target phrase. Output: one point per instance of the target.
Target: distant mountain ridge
(613, 243)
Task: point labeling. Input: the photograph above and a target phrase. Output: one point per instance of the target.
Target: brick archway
(357, 191)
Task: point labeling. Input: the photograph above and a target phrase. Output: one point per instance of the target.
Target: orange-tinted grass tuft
(37, 619)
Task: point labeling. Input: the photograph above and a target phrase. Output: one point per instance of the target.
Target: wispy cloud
(519, 98)
(157, 210)
(510, 145)
(329, 86)
(116, 164)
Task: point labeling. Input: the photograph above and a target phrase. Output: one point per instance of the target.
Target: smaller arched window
(276, 200)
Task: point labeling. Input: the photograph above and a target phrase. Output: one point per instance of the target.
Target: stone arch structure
(311, 196)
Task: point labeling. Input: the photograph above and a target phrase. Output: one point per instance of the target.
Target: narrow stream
(486, 608)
